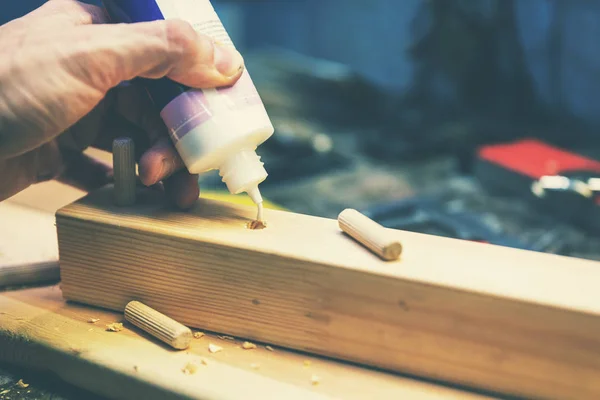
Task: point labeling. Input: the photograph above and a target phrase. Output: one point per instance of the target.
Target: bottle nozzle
(254, 194)
(243, 172)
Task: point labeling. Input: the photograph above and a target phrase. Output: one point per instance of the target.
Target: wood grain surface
(502, 319)
(20, 229)
(38, 329)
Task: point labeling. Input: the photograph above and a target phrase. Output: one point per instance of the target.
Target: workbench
(39, 330)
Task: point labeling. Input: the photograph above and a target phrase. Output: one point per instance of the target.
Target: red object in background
(513, 168)
(535, 159)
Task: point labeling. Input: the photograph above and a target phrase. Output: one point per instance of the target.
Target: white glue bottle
(211, 128)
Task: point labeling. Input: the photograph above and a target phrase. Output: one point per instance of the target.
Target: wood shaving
(269, 348)
(190, 368)
(204, 362)
(224, 337)
(5, 391)
(114, 327)
(315, 380)
(213, 348)
(93, 320)
(255, 225)
(248, 346)
(22, 384)
(254, 366)
(198, 335)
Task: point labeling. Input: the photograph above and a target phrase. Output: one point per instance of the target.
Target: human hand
(59, 95)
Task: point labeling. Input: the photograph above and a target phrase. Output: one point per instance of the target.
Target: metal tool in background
(571, 195)
(583, 184)
(425, 214)
(561, 183)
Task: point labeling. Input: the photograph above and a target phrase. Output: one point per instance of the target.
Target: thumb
(156, 49)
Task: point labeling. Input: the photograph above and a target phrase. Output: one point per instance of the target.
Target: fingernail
(228, 61)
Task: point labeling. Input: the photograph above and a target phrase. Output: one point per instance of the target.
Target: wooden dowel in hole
(370, 234)
(158, 325)
(124, 171)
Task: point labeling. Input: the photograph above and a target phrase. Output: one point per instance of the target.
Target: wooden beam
(39, 331)
(502, 319)
(21, 228)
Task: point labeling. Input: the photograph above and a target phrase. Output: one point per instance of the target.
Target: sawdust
(114, 327)
(224, 337)
(307, 363)
(269, 348)
(256, 225)
(136, 368)
(203, 362)
(198, 335)
(213, 348)
(248, 346)
(93, 320)
(190, 368)
(5, 391)
(22, 384)
(314, 380)
(255, 366)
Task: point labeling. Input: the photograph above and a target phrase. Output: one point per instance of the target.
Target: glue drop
(210, 128)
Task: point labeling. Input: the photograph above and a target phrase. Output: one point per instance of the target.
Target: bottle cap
(242, 172)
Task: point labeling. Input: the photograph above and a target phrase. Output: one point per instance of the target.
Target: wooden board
(20, 229)
(502, 319)
(38, 329)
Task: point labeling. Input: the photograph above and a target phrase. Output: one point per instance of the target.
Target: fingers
(19, 173)
(84, 172)
(133, 103)
(159, 162)
(156, 49)
(182, 189)
(41, 164)
(198, 61)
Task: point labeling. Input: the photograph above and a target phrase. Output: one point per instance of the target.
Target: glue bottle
(210, 128)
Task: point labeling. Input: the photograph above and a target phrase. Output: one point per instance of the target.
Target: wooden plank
(38, 329)
(502, 319)
(28, 249)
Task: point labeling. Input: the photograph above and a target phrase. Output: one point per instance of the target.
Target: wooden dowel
(370, 234)
(124, 171)
(158, 325)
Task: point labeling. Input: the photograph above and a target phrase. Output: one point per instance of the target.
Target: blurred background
(476, 119)
(473, 119)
